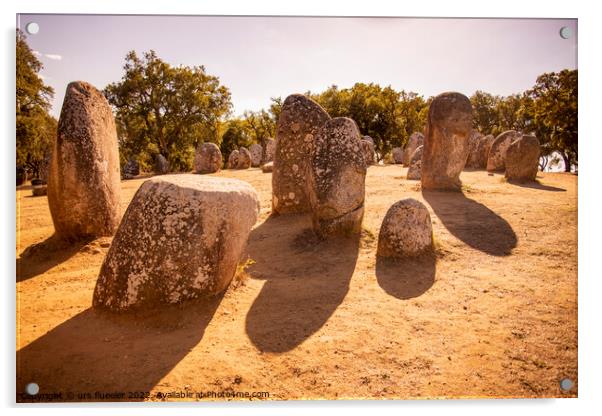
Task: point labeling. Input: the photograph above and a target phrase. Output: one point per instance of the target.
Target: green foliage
(237, 134)
(35, 127)
(165, 109)
(551, 112)
(386, 115)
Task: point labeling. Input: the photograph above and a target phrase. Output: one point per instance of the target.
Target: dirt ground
(492, 314)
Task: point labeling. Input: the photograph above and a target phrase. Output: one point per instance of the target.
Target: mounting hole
(566, 384)
(32, 28)
(566, 32)
(32, 389)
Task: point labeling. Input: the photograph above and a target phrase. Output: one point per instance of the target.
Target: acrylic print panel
(270, 208)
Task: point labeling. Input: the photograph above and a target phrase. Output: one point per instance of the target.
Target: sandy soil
(492, 314)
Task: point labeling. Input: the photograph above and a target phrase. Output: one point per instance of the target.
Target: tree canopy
(35, 127)
(165, 109)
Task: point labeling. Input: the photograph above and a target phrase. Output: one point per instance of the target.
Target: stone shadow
(40, 257)
(406, 278)
(105, 352)
(472, 222)
(536, 185)
(306, 280)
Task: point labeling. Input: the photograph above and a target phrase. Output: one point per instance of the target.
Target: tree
(165, 109)
(551, 113)
(388, 116)
(35, 127)
(237, 134)
(485, 113)
(261, 124)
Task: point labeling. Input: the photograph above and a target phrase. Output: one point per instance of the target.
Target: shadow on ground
(100, 351)
(536, 185)
(306, 280)
(40, 257)
(406, 278)
(472, 222)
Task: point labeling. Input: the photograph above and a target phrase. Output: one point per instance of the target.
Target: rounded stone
(298, 123)
(233, 159)
(406, 230)
(256, 152)
(496, 160)
(181, 238)
(482, 151)
(474, 138)
(446, 143)
(415, 164)
(522, 159)
(130, 170)
(416, 139)
(367, 147)
(267, 167)
(244, 158)
(84, 192)
(207, 158)
(397, 153)
(161, 165)
(269, 147)
(337, 179)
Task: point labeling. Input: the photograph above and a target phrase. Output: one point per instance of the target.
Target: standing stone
(337, 179)
(267, 167)
(256, 152)
(522, 159)
(368, 150)
(415, 164)
(368, 138)
(161, 165)
(496, 160)
(397, 154)
(244, 158)
(446, 143)
(415, 140)
(299, 121)
(269, 147)
(130, 170)
(181, 238)
(406, 230)
(84, 185)
(474, 138)
(482, 151)
(207, 158)
(233, 159)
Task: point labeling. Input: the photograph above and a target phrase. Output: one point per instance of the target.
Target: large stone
(207, 158)
(269, 148)
(415, 164)
(482, 151)
(368, 150)
(233, 159)
(84, 192)
(181, 238)
(496, 160)
(474, 138)
(244, 158)
(337, 179)
(267, 167)
(130, 170)
(161, 165)
(298, 124)
(397, 154)
(446, 143)
(416, 139)
(522, 159)
(406, 230)
(256, 152)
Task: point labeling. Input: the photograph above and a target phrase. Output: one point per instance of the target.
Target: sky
(262, 57)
